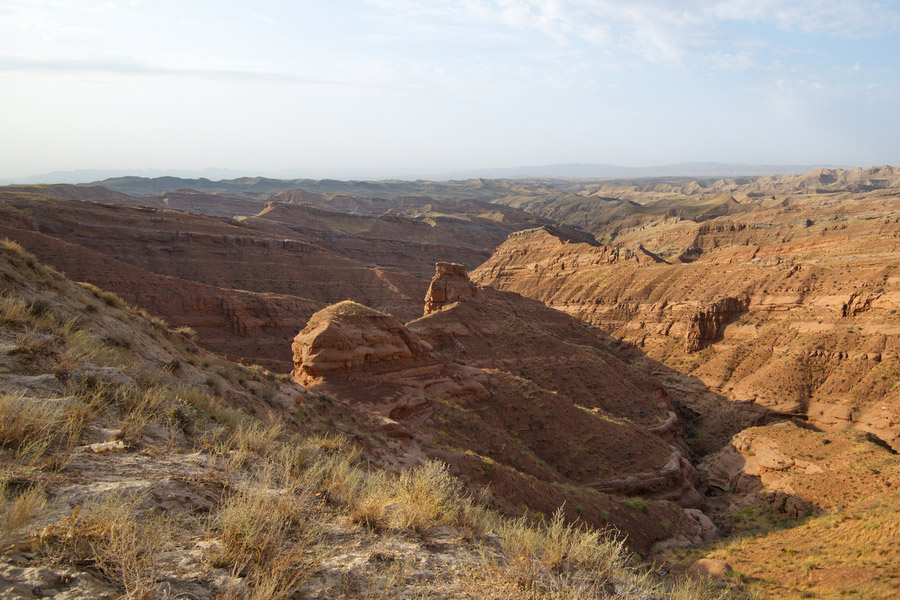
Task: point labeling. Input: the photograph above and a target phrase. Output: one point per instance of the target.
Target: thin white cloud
(34, 65)
(656, 30)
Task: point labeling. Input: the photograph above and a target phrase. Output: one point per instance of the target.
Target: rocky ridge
(242, 283)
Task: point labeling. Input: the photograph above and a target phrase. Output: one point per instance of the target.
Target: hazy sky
(402, 86)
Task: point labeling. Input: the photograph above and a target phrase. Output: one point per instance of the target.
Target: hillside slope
(134, 464)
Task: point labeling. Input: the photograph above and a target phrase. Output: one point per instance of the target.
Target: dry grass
(535, 552)
(116, 538)
(138, 407)
(83, 347)
(43, 432)
(15, 311)
(427, 495)
(108, 298)
(17, 510)
(266, 535)
(25, 421)
(207, 404)
(188, 332)
(253, 439)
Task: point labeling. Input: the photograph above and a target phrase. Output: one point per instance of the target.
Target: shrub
(636, 503)
(428, 495)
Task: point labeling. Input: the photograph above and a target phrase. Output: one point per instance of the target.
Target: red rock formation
(790, 317)
(353, 339)
(253, 327)
(450, 284)
(707, 325)
(541, 400)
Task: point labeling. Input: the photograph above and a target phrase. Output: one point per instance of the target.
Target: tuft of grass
(228, 417)
(17, 510)
(533, 550)
(188, 332)
(108, 298)
(428, 495)
(15, 311)
(25, 420)
(115, 537)
(83, 347)
(636, 503)
(252, 439)
(265, 534)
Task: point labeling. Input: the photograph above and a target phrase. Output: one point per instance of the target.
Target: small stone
(709, 568)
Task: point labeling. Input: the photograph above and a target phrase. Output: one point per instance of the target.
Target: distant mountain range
(606, 171)
(566, 170)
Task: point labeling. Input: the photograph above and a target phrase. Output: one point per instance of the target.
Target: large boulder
(348, 337)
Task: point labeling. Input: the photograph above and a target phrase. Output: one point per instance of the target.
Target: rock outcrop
(450, 284)
(708, 325)
(352, 339)
(786, 312)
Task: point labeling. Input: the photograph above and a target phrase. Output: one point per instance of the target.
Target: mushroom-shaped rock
(347, 337)
(450, 284)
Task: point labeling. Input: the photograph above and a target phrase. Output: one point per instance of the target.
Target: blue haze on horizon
(389, 87)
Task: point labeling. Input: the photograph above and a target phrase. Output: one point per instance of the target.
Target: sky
(395, 87)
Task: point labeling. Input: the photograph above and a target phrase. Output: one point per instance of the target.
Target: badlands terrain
(483, 388)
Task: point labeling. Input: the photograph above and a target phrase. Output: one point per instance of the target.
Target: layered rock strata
(780, 319)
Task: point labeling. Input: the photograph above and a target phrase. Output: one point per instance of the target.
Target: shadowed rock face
(707, 325)
(450, 284)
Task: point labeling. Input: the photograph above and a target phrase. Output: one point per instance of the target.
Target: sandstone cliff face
(353, 339)
(708, 325)
(781, 314)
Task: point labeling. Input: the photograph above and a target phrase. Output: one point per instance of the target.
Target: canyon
(709, 366)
